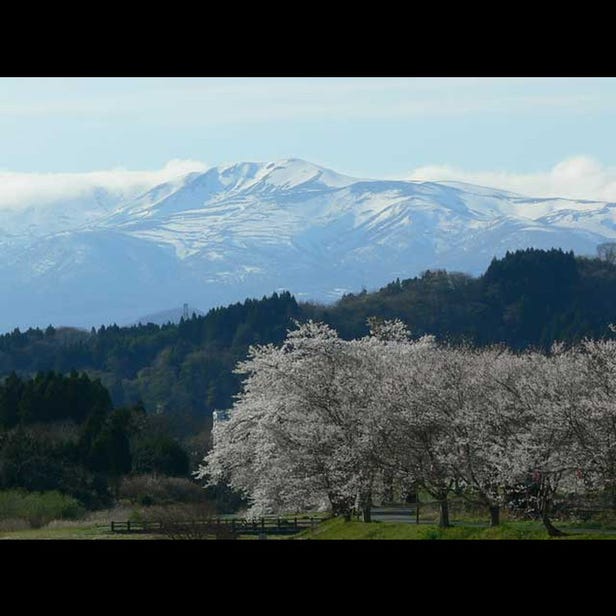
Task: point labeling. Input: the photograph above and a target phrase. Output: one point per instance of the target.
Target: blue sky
(513, 130)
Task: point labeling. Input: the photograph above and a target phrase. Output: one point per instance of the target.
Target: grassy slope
(71, 532)
(339, 529)
(96, 525)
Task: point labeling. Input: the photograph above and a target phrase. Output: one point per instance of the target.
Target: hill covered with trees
(529, 298)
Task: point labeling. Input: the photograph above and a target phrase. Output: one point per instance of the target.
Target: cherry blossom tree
(323, 422)
(594, 420)
(419, 444)
(541, 459)
(480, 425)
(300, 431)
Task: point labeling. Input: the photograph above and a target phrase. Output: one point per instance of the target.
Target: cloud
(20, 189)
(215, 101)
(578, 177)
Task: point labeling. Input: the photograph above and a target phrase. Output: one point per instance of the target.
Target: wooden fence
(219, 526)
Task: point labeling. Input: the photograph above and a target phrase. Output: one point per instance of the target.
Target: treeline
(51, 397)
(61, 433)
(180, 370)
(529, 298)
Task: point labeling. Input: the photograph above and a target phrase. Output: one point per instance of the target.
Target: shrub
(160, 490)
(39, 508)
(10, 525)
(188, 521)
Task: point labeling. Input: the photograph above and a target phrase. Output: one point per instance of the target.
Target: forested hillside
(528, 298)
(185, 371)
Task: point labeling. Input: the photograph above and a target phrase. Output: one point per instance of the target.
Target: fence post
(128, 526)
(295, 522)
(262, 523)
(112, 528)
(417, 512)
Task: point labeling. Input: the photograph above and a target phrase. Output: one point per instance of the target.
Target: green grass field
(337, 528)
(96, 527)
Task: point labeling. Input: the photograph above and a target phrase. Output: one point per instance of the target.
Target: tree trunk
(544, 509)
(494, 515)
(388, 496)
(552, 530)
(367, 512)
(365, 503)
(341, 507)
(443, 521)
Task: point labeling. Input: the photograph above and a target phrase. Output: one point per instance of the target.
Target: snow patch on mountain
(247, 229)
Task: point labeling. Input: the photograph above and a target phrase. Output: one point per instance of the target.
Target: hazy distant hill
(174, 315)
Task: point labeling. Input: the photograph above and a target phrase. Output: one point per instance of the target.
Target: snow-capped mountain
(248, 229)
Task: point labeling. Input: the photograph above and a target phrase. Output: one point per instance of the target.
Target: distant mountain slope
(249, 229)
(174, 315)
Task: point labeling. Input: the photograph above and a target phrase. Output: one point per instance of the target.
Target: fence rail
(234, 526)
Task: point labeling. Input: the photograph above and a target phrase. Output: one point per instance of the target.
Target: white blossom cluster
(324, 423)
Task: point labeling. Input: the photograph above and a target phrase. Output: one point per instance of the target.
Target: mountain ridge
(247, 229)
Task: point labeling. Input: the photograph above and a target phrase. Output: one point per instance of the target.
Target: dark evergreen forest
(62, 433)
